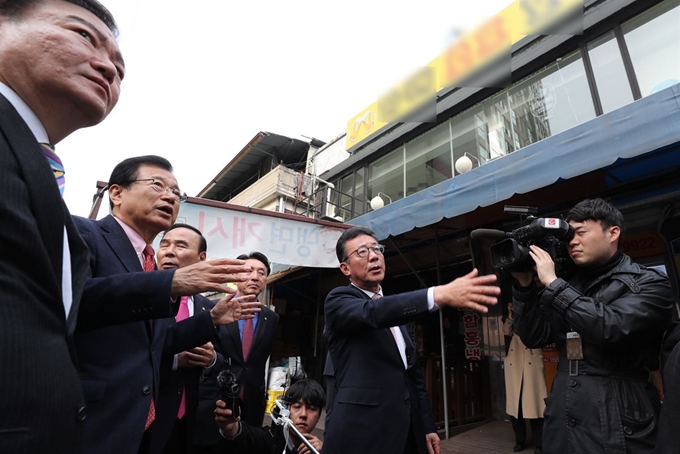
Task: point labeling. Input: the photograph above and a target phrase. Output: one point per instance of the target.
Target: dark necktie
(149, 265)
(182, 314)
(56, 165)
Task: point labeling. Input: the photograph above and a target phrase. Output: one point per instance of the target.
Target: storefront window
(468, 138)
(428, 159)
(653, 41)
(386, 175)
(549, 102)
(610, 75)
(359, 204)
(346, 188)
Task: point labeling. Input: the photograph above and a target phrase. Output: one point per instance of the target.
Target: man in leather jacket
(607, 321)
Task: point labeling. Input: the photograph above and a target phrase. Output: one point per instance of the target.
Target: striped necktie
(56, 165)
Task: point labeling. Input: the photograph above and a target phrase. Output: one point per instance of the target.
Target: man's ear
(344, 268)
(115, 194)
(614, 234)
(202, 256)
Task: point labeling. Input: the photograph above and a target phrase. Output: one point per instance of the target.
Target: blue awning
(646, 125)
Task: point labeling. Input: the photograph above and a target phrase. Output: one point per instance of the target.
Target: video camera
(511, 253)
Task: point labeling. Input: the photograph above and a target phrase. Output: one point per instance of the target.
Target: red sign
(473, 336)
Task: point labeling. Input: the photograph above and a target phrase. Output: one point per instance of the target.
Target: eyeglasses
(362, 251)
(160, 187)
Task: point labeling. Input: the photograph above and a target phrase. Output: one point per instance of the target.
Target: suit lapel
(47, 204)
(199, 304)
(262, 322)
(387, 333)
(120, 244)
(235, 334)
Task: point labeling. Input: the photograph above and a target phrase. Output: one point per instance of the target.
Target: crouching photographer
(305, 400)
(607, 319)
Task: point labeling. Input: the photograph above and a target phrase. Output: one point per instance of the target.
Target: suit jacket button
(407, 401)
(82, 414)
(146, 389)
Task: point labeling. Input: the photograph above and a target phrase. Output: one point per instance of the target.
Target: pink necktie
(182, 313)
(149, 265)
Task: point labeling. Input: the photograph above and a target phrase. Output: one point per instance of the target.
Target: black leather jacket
(608, 403)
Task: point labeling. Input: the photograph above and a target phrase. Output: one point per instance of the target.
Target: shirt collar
(26, 114)
(135, 238)
(370, 293)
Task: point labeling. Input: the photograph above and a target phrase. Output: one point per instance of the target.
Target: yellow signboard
(480, 58)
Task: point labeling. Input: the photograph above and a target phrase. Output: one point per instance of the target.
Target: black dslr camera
(512, 252)
(229, 390)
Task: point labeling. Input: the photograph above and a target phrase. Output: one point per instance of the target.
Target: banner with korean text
(285, 239)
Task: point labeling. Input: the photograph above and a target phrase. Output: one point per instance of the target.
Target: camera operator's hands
(318, 444)
(468, 292)
(225, 420)
(545, 267)
(201, 356)
(208, 275)
(230, 309)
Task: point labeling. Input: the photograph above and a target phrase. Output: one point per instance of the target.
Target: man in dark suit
(182, 245)
(249, 369)
(305, 401)
(118, 346)
(381, 404)
(60, 70)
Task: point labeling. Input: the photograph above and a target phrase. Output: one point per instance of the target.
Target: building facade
(584, 115)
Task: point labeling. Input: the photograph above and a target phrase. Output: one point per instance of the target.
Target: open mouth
(166, 209)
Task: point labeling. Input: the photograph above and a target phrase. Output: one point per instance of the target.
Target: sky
(204, 77)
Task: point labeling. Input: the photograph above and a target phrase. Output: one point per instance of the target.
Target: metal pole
(441, 337)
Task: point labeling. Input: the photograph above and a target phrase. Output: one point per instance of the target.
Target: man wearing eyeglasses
(381, 404)
(121, 331)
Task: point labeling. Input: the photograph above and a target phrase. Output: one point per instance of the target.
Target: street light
(378, 202)
(464, 163)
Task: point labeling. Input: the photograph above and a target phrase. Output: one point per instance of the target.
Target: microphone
(491, 234)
